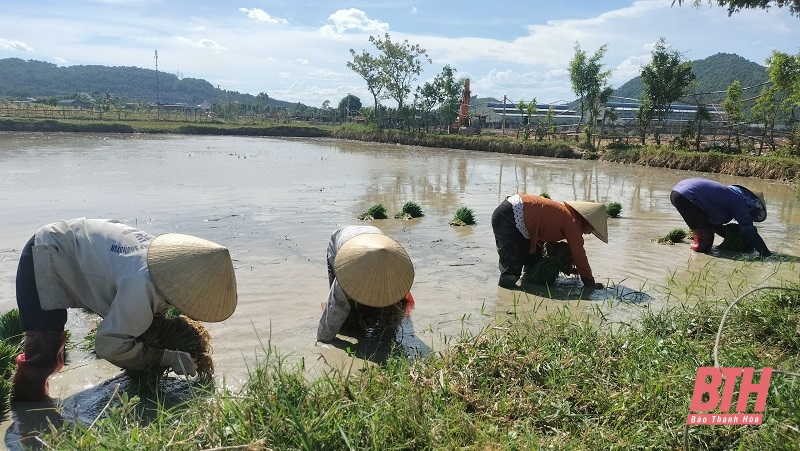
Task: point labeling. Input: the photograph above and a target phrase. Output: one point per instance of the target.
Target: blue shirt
(722, 203)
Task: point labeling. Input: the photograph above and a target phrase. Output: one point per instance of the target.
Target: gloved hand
(589, 282)
(181, 362)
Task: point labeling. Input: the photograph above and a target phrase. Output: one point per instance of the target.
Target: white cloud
(60, 61)
(413, 10)
(285, 75)
(262, 16)
(352, 19)
(202, 43)
(17, 46)
(301, 61)
(326, 74)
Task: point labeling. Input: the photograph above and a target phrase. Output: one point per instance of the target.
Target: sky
(297, 50)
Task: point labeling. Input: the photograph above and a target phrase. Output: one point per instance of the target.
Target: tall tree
(399, 64)
(588, 82)
(369, 68)
(665, 80)
(738, 5)
(734, 109)
(348, 105)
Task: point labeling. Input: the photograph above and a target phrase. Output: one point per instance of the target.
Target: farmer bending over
(366, 269)
(706, 206)
(124, 275)
(522, 223)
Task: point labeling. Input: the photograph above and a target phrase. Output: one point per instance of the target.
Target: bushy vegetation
(535, 382)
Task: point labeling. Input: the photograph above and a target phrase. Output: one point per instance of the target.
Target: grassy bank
(774, 168)
(524, 383)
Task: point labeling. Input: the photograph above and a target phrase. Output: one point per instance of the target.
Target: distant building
(74, 103)
(24, 102)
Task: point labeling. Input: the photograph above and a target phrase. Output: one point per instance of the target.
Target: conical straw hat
(373, 270)
(595, 214)
(756, 203)
(194, 275)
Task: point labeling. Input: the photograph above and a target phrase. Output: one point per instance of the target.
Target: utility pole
(504, 115)
(158, 100)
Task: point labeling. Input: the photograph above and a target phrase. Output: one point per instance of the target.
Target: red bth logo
(707, 385)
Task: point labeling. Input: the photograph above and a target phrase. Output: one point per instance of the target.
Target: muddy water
(274, 204)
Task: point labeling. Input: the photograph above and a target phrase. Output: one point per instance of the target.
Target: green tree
(665, 80)
(547, 126)
(784, 73)
(450, 89)
(738, 5)
(588, 82)
(368, 67)
(765, 112)
(399, 64)
(644, 116)
(349, 105)
(734, 109)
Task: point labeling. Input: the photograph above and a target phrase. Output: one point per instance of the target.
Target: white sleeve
(336, 310)
(128, 317)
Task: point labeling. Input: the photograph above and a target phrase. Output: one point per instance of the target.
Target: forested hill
(20, 78)
(714, 75)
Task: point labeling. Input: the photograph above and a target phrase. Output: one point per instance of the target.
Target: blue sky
(297, 50)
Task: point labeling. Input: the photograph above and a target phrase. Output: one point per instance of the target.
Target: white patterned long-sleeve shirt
(338, 306)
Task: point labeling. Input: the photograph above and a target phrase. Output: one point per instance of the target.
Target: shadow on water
(572, 289)
(392, 339)
(86, 407)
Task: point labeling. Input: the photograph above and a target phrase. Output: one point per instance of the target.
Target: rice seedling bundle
(10, 327)
(377, 211)
(464, 217)
(733, 239)
(674, 236)
(613, 209)
(544, 272)
(545, 195)
(556, 258)
(179, 333)
(410, 210)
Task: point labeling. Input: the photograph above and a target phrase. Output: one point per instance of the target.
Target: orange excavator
(462, 125)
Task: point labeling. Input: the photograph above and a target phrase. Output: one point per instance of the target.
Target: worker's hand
(181, 362)
(589, 282)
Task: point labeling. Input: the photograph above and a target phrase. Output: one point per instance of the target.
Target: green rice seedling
(545, 195)
(674, 236)
(9, 350)
(556, 258)
(613, 209)
(733, 239)
(410, 210)
(10, 327)
(377, 211)
(544, 272)
(464, 217)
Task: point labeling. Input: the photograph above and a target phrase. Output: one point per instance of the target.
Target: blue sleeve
(750, 236)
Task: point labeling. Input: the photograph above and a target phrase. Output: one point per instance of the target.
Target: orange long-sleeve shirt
(548, 220)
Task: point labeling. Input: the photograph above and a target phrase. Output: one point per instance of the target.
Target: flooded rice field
(275, 202)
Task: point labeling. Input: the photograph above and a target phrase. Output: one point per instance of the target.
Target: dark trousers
(31, 315)
(512, 248)
(695, 217)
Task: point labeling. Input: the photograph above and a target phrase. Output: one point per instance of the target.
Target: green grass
(526, 383)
